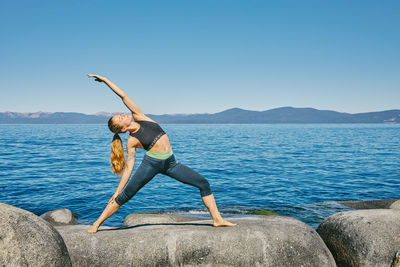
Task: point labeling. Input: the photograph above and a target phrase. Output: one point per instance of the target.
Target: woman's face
(123, 120)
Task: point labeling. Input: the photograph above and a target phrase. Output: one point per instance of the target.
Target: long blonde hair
(117, 156)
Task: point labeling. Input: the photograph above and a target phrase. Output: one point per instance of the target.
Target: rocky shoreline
(369, 236)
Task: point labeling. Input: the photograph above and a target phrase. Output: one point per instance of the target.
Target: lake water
(295, 170)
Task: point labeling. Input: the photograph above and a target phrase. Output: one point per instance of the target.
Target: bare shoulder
(132, 144)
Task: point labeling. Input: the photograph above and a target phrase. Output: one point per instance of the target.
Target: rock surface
(395, 205)
(59, 217)
(142, 218)
(362, 237)
(256, 241)
(369, 204)
(28, 240)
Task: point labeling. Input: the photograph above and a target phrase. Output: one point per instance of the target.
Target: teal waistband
(160, 155)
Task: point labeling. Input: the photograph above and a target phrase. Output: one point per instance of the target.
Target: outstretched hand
(98, 78)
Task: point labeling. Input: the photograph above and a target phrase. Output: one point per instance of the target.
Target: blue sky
(200, 56)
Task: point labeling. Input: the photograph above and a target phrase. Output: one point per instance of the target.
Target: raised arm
(125, 98)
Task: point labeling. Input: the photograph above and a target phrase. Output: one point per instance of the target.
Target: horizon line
(119, 112)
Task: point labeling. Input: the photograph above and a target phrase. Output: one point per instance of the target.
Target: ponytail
(117, 156)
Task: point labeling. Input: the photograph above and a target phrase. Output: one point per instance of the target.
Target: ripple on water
(292, 170)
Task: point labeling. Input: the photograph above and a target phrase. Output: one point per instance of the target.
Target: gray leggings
(151, 166)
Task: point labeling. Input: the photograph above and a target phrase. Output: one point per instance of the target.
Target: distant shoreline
(204, 123)
(284, 115)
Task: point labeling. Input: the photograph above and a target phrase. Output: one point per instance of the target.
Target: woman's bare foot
(223, 222)
(93, 229)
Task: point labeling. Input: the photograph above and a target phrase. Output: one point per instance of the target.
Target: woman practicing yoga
(144, 133)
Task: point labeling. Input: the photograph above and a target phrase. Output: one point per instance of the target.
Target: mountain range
(234, 115)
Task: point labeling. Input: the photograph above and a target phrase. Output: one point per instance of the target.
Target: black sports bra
(148, 133)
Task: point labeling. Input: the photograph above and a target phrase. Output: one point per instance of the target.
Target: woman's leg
(144, 173)
(218, 221)
(187, 175)
(111, 208)
(142, 176)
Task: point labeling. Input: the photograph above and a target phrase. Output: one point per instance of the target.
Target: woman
(159, 158)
